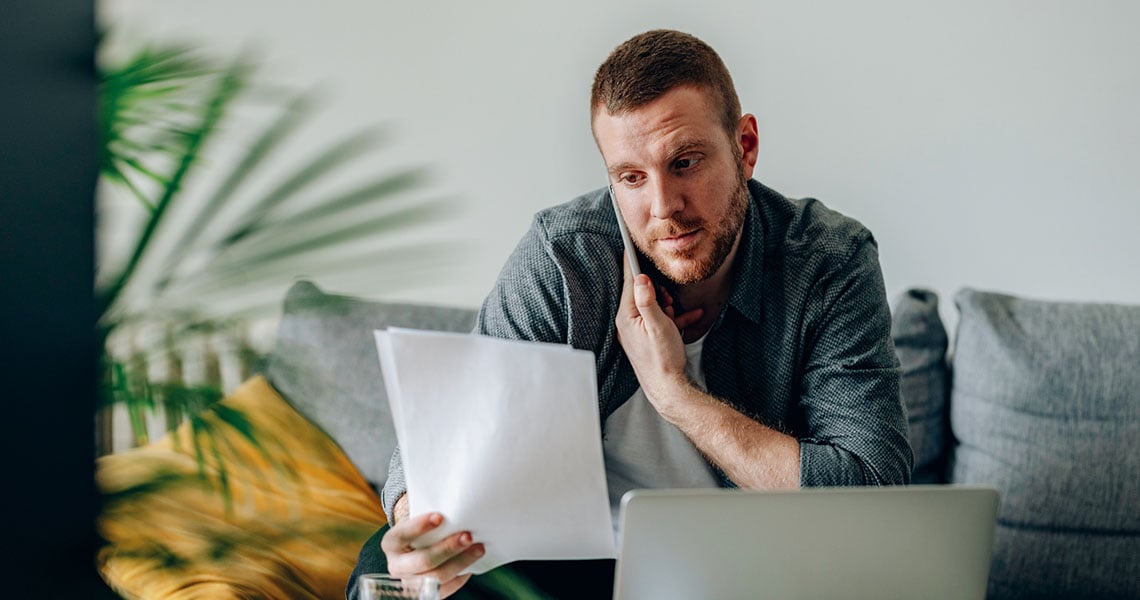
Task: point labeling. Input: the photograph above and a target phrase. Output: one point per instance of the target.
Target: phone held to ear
(630, 252)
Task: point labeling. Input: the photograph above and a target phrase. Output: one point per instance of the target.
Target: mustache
(674, 227)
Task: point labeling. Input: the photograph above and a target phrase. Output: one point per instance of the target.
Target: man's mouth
(680, 241)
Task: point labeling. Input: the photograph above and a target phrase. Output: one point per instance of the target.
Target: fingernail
(435, 519)
(465, 539)
(480, 550)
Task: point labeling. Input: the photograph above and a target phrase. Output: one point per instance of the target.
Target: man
(754, 351)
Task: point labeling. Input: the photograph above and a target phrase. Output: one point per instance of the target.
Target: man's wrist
(670, 395)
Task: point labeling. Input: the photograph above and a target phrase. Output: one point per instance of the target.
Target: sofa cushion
(296, 515)
(1046, 408)
(920, 341)
(324, 363)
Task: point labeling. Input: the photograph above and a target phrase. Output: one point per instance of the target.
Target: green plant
(202, 269)
(161, 111)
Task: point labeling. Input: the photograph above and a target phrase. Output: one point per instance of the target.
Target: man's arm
(751, 454)
(850, 391)
(850, 382)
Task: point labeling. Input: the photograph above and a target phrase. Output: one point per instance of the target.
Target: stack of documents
(503, 439)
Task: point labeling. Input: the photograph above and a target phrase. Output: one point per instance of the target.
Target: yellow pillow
(298, 515)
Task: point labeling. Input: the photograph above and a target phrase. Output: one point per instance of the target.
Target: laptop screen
(889, 542)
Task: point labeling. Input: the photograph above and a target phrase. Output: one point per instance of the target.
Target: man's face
(680, 180)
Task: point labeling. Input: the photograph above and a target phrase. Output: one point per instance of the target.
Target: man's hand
(751, 454)
(650, 334)
(442, 560)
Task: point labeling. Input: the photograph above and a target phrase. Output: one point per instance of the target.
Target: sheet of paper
(502, 437)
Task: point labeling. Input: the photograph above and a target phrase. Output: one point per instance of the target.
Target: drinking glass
(382, 586)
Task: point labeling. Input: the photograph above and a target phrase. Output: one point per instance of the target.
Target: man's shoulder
(806, 225)
(589, 213)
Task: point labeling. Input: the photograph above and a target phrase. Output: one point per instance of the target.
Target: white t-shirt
(643, 450)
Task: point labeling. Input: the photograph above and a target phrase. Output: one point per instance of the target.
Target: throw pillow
(297, 514)
(1046, 408)
(324, 363)
(920, 341)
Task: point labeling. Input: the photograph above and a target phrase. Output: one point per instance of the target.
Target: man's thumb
(643, 293)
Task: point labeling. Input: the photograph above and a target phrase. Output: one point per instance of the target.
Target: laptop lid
(886, 542)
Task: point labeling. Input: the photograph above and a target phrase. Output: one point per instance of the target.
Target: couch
(272, 493)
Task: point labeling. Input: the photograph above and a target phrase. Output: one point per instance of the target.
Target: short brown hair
(646, 66)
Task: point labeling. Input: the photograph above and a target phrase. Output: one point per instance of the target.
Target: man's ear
(748, 137)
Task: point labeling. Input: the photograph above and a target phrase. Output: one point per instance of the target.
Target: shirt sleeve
(529, 300)
(850, 387)
(527, 303)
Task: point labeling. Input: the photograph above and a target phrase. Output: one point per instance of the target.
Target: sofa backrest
(921, 342)
(1040, 400)
(1046, 408)
(324, 362)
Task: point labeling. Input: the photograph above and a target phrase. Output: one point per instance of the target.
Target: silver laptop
(888, 542)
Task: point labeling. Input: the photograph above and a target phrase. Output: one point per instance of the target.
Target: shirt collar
(747, 273)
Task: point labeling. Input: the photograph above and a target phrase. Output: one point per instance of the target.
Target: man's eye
(684, 163)
(630, 178)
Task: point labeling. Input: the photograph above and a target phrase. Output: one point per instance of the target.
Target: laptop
(917, 541)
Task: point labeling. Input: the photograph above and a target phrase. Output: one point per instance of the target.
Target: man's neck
(709, 295)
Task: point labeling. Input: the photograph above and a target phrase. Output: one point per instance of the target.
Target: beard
(684, 267)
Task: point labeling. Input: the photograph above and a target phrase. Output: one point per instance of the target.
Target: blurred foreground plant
(162, 114)
(203, 261)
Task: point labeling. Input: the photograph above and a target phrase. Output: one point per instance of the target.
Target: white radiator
(222, 359)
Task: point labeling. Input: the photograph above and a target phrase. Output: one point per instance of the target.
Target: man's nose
(666, 200)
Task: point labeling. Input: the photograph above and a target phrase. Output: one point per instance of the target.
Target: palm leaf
(116, 175)
(367, 194)
(159, 481)
(511, 584)
(238, 422)
(407, 264)
(264, 146)
(308, 236)
(127, 97)
(213, 110)
(320, 166)
(155, 97)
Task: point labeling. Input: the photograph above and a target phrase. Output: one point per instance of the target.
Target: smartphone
(630, 252)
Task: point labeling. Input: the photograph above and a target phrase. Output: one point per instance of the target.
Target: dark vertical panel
(48, 166)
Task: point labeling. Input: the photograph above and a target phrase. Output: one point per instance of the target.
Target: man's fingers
(689, 318)
(665, 301)
(449, 588)
(401, 536)
(449, 571)
(443, 560)
(435, 559)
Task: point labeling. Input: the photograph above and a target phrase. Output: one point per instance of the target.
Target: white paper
(503, 439)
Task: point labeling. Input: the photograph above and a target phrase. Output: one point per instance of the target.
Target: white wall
(987, 144)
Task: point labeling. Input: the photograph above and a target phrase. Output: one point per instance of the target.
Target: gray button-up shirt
(803, 345)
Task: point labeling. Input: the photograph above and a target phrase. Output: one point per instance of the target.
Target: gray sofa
(1038, 399)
